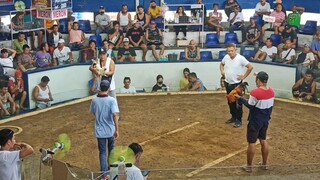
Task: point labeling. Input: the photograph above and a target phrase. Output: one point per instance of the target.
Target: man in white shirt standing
(127, 89)
(267, 53)
(10, 158)
(102, 21)
(62, 54)
(237, 23)
(232, 68)
(262, 8)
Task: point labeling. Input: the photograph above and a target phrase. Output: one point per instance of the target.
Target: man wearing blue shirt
(106, 111)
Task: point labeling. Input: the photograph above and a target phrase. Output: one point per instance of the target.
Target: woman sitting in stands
(90, 52)
(179, 13)
(192, 52)
(26, 61)
(115, 35)
(43, 58)
(184, 82)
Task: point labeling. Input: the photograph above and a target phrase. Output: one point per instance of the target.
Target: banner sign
(52, 15)
(6, 2)
(61, 4)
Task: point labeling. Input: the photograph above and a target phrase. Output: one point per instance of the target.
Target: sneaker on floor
(247, 169)
(237, 124)
(263, 166)
(230, 121)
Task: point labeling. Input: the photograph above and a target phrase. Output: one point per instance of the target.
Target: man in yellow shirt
(154, 10)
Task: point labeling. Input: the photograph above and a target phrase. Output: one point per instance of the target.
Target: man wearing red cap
(16, 89)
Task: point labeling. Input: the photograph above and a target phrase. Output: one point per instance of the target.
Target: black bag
(301, 58)
(109, 78)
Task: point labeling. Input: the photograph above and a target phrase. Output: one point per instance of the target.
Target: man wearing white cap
(102, 21)
(126, 53)
(62, 54)
(136, 36)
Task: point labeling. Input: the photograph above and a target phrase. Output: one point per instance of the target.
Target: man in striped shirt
(260, 104)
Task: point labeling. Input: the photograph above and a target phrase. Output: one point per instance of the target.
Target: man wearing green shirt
(294, 18)
(18, 43)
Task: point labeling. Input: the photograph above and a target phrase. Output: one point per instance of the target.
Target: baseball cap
(101, 7)
(262, 76)
(105, 83)
(102, 51)
(61, 41)
(18, 74)
(306, 45)
(126, 40)
(152, 22)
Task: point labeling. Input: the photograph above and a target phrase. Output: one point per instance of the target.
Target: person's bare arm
(70, 23)
(12, 103)
(115, 119)
(186, 52)
(300, 9)
(249, 69)
(296, 86)
(111, 69)
(222, 69)
(83, 38)
(119, 41)
(196, 86)
(147, 36)
(198, 54)
(118, 17)
(313, 89)
(25, 151)
(147, 21)
(70, 57)
(14, 52)
(50, 95)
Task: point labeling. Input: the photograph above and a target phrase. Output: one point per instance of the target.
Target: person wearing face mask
(159, 86)
(102, 21)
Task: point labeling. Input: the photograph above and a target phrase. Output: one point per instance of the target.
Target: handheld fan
(121, 154)
(19, 6)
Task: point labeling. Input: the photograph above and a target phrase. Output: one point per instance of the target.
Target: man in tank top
(142, 17)
(124, 18)
(305, 88)
(42, 94)
(77, 38)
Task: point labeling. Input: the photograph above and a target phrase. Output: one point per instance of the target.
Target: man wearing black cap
(102, 21)
(260, 104)
(10, 160)
(105, 110)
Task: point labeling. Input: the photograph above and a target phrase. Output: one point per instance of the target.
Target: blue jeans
(99, 30)
(103, 150)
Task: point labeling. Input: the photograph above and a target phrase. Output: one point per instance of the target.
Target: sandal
(247, 169)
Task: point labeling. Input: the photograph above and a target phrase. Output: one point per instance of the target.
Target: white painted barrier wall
(70, 82)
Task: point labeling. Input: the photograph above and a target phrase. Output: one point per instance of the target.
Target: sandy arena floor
(294, 133)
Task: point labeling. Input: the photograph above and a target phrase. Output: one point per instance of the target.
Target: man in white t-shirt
(233, 67)
(127, 89)
(102, 21)
(10, 157)
(267, 53)
(62, 54)
(262, 8)
(237, 23)
(6, 61)
(286, 53)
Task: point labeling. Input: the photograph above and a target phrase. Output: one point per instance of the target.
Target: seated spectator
(154, 37)
(288, 33)
(42, 94)
(294, 18)
(124, 18)
(49, 24)
(184, 82)
(237, 22)
(106, 47)
(230, 6)
(127, 89)
(17, 21)
(178, 29)
(43, 58)
(18, 43)
(5, 31)
(192, 52)
(16, 89)
(215, 19)
(102, 21)
(90, 52)
(200, 11)
(26, 61)
(305, 88)
(142, 18)
(53, 38)
(280, 18)
(155, 11)
(136, 36)
(195, 83)
(94, 84)
(267, 53)
(305, 60)
(126, 53)
(253, 34)
(115, 35)
(6, 61)
(62, 54)
(315, 47)
(159, 86)
(77, 38)
(7, 104)
(262, 8)
(286, 54)
(32, 16)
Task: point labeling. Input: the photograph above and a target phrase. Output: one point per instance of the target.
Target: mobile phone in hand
(145, 173)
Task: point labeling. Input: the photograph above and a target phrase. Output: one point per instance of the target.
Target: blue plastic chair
(159, 23)
(259, 20)
(182, 56)
(222, 54)
(97, 39)
(85, 26)
(63, 26)
(212, 40)
(309, 28)
(231, 38)
(206, 56)
(248, 54)
(276, 39)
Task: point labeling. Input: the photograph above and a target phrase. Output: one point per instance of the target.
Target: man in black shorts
(154, 38)
(260, 104)
(136, 35)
